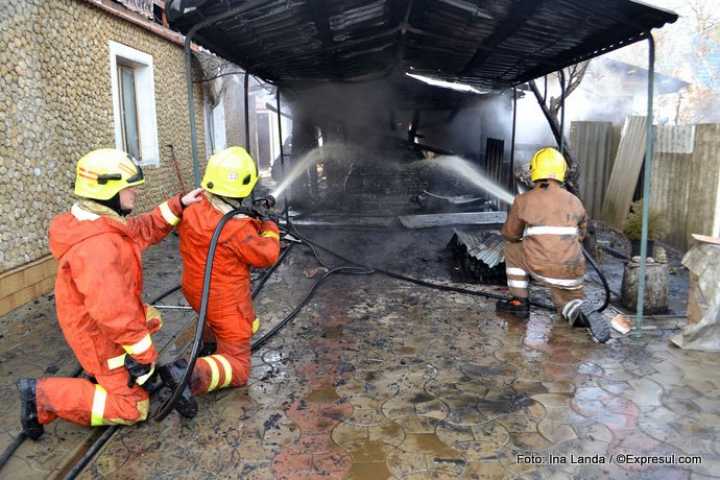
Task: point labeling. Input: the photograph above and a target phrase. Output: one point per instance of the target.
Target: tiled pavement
(378, 378)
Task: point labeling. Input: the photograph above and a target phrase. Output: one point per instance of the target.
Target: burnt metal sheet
(488, 44)
(478, 257)
(438, 220)
(488, 247)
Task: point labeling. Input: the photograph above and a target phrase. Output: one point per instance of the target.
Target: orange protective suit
(243, 243)
(99, 307)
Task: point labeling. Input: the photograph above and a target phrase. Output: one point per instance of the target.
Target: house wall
(56, 105)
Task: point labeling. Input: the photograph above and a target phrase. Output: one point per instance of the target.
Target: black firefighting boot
(153, 384)
(172, 374)
(597, 324)
(515, 306)
(28, 409)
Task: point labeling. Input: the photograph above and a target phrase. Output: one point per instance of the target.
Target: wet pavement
(378, 378)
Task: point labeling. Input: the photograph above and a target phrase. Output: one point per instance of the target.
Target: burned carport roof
(490, 44)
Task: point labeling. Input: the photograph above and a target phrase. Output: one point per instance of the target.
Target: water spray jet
(470, 172)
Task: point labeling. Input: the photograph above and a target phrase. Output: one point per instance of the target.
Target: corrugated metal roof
(488, 247)
(486, 43)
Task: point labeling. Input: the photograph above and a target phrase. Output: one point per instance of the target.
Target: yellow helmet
(230, 173)
(102, 173)
(548, 163)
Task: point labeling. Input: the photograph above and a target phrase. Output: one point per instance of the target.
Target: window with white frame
(215, 126)
(133, 92)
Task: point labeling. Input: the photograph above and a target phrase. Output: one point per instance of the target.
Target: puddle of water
(422, 398)
(323, 395)
(367, 470)
(429, 443)
(371, 451)
(332, 331)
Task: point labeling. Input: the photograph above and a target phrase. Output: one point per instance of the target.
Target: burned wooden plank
(444, 219)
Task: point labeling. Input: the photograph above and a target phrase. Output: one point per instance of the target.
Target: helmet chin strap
(114, 204)
(233, 202)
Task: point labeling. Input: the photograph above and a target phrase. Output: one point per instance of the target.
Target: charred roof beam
(325, 34)
(516, 18)
(333, 48)
(581, 52)
(575, 56)
(400, 52)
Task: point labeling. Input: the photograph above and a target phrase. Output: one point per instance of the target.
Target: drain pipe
(513, 183)
(282, 153)
(188, 74)
(246, 104)
(246, 101)
(646, 187)
(562, 112)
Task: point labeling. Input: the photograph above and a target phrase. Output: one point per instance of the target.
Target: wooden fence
(685, 177)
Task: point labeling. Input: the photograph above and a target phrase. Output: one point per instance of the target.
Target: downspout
(247, 111)
(188, 74)
(646, 187)
(191, 105)
(562, 111)
(513, 187)
(282, 153)
(246, 102)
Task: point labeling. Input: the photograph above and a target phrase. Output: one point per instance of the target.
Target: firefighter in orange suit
(244, 242)
(98, 297)
(544, 230)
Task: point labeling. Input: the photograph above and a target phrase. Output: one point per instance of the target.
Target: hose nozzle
(270, 201)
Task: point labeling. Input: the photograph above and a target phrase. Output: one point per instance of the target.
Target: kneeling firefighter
(98, 298)
(244, 242)
(544, 232)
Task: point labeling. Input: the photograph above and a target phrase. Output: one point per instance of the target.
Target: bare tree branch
(573, 77)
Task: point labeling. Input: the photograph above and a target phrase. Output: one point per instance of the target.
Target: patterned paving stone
(556, 433)
(590, 432)
(362, 417)
(376, 379)
(559, 386)
(477, 444)
(487, 470)
(563, 415)
(642, 392)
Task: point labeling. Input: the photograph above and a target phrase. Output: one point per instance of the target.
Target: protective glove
(139, 373)
(261, 212)
(153, 318)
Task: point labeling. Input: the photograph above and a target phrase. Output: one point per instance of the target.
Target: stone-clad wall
(56, 105)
